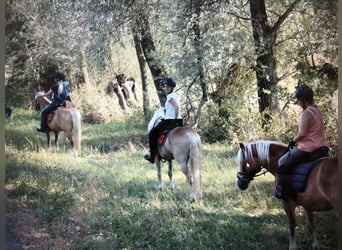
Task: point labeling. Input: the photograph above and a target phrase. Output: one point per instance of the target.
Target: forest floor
(24, 230)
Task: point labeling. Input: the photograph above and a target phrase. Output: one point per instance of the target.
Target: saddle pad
(162, 137)
(300, 175)
(50, 116)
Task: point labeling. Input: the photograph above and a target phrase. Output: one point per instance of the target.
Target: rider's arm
(303, 125)
(175, 106)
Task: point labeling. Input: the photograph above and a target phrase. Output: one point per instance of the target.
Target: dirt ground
(24, 230)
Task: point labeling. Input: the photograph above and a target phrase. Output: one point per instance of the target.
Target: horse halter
(244, 177)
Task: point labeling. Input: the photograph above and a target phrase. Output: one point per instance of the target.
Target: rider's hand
(292, 143)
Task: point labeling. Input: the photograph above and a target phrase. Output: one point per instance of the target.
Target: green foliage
(108, 199)
(38, 41)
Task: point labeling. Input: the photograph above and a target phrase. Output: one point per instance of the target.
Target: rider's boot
(43, 123)
(40, 130)
(149, 158)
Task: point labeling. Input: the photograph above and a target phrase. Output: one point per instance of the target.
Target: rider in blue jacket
(60, 94)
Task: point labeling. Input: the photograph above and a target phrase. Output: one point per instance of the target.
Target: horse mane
(158, 115)
(44, 97)
(260, 151)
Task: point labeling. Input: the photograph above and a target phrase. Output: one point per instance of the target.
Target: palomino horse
(65, 119)
(184, 145)
(320, 193)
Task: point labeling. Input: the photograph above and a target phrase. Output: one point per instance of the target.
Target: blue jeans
(291, 159)
(45, 111)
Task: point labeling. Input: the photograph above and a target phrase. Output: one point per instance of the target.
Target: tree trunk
(143, 72)
(197, 4)
(147, 45)
(266, 68)
(85, 70)
(119, 94)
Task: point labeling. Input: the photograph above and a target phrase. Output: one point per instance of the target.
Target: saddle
(301, 172)
(50, 115)
(169, 125)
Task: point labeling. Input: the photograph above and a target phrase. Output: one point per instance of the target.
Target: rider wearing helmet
(172, 117)
(60, 94)
(310, 138)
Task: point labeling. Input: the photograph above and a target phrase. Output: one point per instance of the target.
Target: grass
(108, 197)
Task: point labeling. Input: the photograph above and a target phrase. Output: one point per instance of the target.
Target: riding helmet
(60, 76)
(170, 82)
(304, 92)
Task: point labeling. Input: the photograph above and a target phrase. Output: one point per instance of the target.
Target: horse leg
(68, 135)
(157, 161)
(291, 220)
(48, 140)
(188, 175)
(311, 228)
(56, 141)
(172, 186)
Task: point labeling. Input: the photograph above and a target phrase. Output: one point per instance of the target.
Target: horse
(320, 193)
(66, 119)
(184, 145)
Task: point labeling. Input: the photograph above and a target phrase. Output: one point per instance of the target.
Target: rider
(60, 94)
(310, 139)
(172, 117)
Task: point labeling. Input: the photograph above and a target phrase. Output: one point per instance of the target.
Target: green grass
(108, 197)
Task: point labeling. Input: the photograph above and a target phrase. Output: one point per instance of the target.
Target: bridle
(245, 177)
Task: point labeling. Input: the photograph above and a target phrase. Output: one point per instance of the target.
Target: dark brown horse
(320, 193)
(65, 119)
(182, 144)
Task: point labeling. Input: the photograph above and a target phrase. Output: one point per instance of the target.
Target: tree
(143, 73)
(265, 36)
(195, 7)
(144, 38)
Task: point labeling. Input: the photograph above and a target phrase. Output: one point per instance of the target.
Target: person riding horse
(60, 94)
(310, 139)
(173, 117)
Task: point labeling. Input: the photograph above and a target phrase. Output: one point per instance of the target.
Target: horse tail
(76, 122)
(195, 156)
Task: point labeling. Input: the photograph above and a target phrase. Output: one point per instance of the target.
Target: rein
(264, 171)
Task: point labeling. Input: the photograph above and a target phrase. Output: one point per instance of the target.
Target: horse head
(156, 118)
(41, 101)
(38, 94)
(253, 157)
(245, 173)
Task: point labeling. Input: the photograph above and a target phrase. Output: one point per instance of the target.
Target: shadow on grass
(208, 227)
